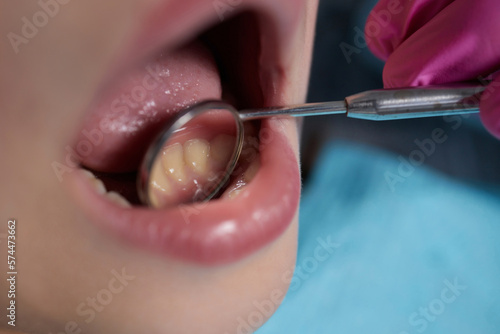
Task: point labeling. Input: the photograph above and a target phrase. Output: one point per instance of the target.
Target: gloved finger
(460, 43)
(490, 107)
(391, 22)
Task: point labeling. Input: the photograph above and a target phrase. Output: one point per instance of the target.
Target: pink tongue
(131, 113)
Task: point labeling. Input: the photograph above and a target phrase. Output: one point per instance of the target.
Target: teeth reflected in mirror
(161, 188)
(221, 149)
(196, 155)
(173, 163)
(195, 160)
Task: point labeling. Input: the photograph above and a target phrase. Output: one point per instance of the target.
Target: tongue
(129, 115)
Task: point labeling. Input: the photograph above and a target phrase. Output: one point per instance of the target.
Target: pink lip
(221, 231)
(177, 21)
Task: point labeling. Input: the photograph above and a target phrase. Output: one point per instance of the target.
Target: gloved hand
(429, 42)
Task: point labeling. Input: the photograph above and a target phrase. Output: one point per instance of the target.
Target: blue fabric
(422, 257)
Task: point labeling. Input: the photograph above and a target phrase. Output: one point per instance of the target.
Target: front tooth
(95, 182)
(160, 186)
(196, 153)
(98, 186)
(221, 149)
(173, 163)
(88, 174)
(118, 199)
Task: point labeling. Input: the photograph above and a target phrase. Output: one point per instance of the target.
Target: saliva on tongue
(133, 109)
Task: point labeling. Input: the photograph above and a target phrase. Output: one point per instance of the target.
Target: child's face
(88, 83)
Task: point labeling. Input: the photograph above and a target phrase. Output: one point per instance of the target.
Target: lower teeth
(188, 170)
(118, 199)
(100, 188)
(239, 184)
(186, 164)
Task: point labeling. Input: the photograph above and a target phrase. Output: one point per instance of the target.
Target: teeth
(222, 148)
(101, 189)
(160, 185)
(95, 182)
(173, 163)
(196, 153)
(87, 174)
(171, 173)
(98, 186)
(118, 199)
(239, 186)
(202, 157)
(188, 165)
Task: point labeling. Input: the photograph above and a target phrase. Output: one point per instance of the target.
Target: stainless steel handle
(387, 104)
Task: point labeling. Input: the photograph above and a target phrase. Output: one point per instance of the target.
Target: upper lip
(217, 232)
(177, 21)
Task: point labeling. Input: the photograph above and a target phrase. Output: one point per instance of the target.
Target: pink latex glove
(440, 41)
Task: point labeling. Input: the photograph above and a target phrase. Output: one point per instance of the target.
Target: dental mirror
(194, 157)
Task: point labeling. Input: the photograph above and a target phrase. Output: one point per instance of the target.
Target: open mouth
(228, 62)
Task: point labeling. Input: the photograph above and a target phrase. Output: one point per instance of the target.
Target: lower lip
(216, 232)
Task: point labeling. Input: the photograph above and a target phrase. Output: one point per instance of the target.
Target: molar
(196, 154)
(173, 163)
(222, 148)
(160, 185)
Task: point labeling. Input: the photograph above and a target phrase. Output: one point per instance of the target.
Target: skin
(63, 259)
